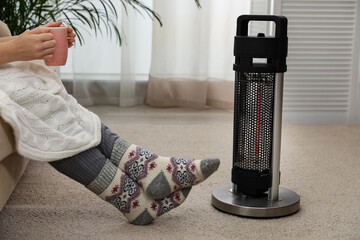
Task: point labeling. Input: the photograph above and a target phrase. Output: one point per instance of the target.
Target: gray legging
(86, 166)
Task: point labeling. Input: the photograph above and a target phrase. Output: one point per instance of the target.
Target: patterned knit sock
(117, 188)
(160, 176)
(98, 174)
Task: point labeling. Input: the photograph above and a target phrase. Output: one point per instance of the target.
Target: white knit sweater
(48, 123)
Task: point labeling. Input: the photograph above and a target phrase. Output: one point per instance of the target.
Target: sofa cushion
(11, 169)
(7, 141)
(6, 134)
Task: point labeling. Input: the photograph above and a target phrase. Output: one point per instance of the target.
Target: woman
(49, 125)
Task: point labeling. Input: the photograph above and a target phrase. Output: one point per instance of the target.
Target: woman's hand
(71, 34)
(34, 44)
(38, 43)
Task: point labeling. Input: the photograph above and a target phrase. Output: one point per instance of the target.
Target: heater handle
(273, 49)
(280, 22)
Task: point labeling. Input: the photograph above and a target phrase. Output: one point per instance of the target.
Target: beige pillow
(4, 30)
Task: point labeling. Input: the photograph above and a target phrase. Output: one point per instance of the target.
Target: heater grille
(253, 128)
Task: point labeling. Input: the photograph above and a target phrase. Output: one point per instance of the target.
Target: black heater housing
(254, 102)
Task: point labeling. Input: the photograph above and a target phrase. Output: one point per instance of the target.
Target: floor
(319, 162)
(143, 114)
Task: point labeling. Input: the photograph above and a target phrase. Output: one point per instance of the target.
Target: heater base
(224, 199)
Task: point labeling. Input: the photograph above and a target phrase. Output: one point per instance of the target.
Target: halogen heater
(258, 97)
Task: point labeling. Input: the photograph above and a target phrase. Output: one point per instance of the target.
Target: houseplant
(21, 15)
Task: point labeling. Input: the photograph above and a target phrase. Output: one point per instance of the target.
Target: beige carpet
(320, 163)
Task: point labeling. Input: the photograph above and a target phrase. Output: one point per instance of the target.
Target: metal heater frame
(277, 201)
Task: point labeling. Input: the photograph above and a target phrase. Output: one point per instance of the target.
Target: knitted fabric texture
(128, 197)
(160, 176)
(48, 123)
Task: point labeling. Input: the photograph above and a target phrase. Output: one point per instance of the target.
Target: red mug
(61, 47)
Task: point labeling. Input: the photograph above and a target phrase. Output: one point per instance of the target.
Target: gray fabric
(118, 151)
(108, 139)
(83, 167)
(91, 167)
(143, 219)
(186, 191)
(208, 166)
(159, 187)
(103, 179)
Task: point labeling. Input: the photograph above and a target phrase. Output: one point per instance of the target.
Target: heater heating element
(257, 125)
(253, 108)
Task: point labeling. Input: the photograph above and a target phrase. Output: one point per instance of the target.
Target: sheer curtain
(190, 58)
(102, 72)
(192, 54)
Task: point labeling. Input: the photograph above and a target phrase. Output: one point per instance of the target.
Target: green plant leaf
(22, 15)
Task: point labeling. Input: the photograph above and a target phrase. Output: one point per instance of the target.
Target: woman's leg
(93, 170)
(158, 176)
